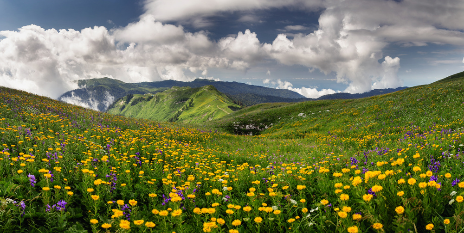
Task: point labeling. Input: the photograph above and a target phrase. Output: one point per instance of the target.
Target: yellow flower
(302, 200)
(120, 202)
(20, 171)
(324, 202)
(377, 226)
(300, 187)
(346, 209)
(221, 221)
(422, 185)
(304, 210)
(106, 225)
(124, 224)
(401, 181)
(152, 195)
(367, 197)
(342, 214)
(353, 229)
(377, 188)
(276, 212)
(197, 210)
(344, 197)
(411, 181)
(399, 210)
(250, 194)
(459, 198)
(338, 185)
(356, 217)
(150, 224)
(429, 173)
(95, 197)
(90, 190)
(93, 221)
(237, 222)
(429, 226)
(132, 202)
(155, 211)
(45, 188)
(229, 211)
(233, 231)
(163, 213)
(448, 175)
(70, 193)
(138, 222)
(258, 219)
(400, 193)
(176, 213)
(446, 221)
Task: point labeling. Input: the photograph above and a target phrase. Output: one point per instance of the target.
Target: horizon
(313, 47)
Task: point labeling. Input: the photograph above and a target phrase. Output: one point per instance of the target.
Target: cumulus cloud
(47, 62)
(307, 92)
(349, 42)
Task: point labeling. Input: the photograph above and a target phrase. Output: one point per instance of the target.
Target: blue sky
(313, 47)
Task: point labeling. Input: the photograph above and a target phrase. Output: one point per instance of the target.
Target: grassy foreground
(390, 163)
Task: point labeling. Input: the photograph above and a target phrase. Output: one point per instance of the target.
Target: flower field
(390, 163)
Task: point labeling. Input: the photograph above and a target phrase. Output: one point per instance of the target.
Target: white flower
(312, 210)
(307, 216)
(293, 202)
(451, 202)
(224, 199)
(453, 193)
(461, 144)
(275, 208)
(220, 180)
(224, 189)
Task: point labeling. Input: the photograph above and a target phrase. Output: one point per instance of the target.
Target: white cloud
(463, 60)
(349, 41)
(295, 28)
(47, 61)
(268, 72)
(245, 46)
(304, 91)
(266, 81)
(166, 10)
(449, 61)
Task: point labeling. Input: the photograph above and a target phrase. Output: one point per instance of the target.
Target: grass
(390, 163)
(178, 104)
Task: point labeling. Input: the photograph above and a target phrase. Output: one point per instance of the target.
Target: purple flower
(455, 182)
(61, 205)
(32, 179)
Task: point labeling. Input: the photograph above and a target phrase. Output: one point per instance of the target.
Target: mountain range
(99, 94)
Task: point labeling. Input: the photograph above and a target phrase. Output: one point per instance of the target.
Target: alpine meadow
(387, 163)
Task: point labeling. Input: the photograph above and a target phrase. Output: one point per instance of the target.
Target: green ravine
(178, 104)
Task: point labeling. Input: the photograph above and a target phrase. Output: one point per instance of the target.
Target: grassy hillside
(182, 104)
(413, 109)
(390, 163)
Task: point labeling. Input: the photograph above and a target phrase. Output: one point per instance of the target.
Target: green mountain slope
(358, 121)
(182, 104)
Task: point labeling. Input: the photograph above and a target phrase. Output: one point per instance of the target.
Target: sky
(313, 47)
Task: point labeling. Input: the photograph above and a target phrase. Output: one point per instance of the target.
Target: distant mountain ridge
(177, 104)
(99, 94)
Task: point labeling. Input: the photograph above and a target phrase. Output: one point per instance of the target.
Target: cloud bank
(349, 42)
